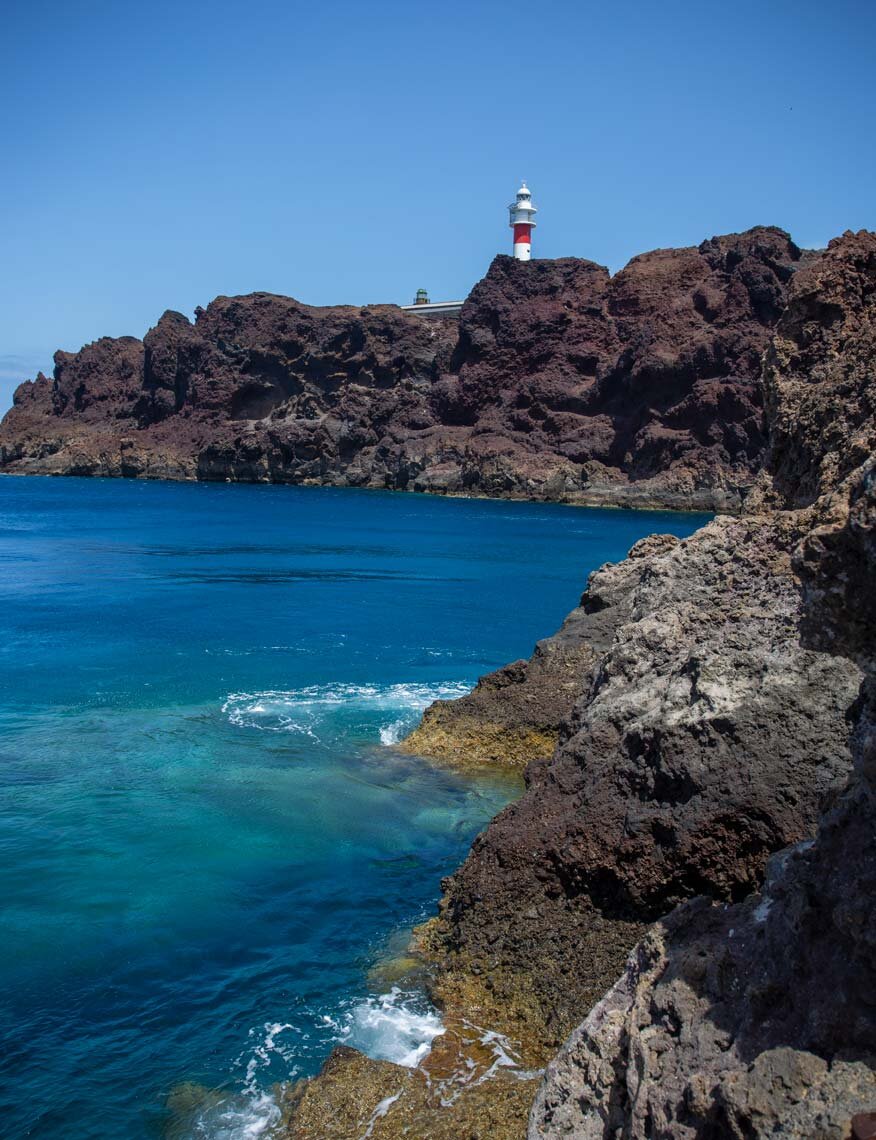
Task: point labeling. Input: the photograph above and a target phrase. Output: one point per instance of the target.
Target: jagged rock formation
(760, 1019)
(259, 387)
(703, 739)
(558, 382)
(818, 373)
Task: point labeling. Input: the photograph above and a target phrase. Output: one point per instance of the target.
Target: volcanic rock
(703, 739)
(818, 373)
(558, 382)
(759, 1019)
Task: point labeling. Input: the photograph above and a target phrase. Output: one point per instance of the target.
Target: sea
(208, 840)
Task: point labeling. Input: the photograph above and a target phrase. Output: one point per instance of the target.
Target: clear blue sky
(156, 155)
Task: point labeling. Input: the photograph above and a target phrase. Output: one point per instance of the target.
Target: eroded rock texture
(558, 382)
(818, 375)
(704, 738)
(759, 1019)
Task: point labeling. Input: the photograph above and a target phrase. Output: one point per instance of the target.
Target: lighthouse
(521, 223)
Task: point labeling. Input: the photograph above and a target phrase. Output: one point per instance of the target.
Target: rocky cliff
(702, 698)
(703, 739)
(558, 381)
(759, 1019)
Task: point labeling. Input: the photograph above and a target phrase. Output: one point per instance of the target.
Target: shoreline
(511, 497)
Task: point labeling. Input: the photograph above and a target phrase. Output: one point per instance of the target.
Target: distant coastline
(558, 382)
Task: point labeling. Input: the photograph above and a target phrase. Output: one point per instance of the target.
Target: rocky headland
(682, 900)
(558, 381)
(671, 933)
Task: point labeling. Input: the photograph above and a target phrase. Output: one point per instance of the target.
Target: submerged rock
(470, 1085)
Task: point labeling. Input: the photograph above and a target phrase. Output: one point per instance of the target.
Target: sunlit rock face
(759, 1019)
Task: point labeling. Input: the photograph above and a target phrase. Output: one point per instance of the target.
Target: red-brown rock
(558, 382)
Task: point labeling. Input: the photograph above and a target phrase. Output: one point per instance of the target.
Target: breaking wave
(397, 1026)
(252, 1113)
(381, 712)
(238, 1118)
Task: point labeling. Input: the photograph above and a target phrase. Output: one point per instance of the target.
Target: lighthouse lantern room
(521, 223)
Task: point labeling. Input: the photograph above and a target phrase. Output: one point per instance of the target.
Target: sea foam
(384, 711)
(397, 1026)
(239, 1118)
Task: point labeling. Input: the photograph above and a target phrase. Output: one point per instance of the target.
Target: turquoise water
(206, 837)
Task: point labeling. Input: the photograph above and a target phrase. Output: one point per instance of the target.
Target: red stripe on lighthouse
(522, 232)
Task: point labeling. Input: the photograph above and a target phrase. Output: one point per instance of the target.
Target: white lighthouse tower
(521, 223)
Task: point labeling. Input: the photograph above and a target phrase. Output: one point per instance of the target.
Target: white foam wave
(393, 732)
(266, 1048)
(244, 1118)
(252, 1114)
(399, 1026)
(309, 711)
(395, 1026)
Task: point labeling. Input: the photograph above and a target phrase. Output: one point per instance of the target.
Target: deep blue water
(206, 838)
